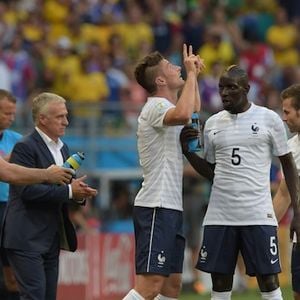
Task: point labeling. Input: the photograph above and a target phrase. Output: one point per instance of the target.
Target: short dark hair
(292, 92)
(237, 72)
(6, 94)
(146, 71)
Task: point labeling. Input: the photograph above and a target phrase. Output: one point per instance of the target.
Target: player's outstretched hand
(187, 133)
(60, 175)
(295, 226)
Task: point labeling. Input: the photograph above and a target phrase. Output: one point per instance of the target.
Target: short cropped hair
(4, 94)
(40, 104)
(146, 71)
(292, 92)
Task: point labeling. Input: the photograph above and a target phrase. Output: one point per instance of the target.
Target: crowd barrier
(100, 269)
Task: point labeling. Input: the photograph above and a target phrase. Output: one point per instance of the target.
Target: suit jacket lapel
(64, 152)
(46, 152)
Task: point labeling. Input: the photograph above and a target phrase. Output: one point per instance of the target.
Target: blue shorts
(295, 268)
(159, 240)
(257, 243)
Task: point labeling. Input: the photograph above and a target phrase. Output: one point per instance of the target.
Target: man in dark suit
(36, 223)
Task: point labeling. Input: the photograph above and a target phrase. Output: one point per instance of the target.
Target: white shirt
(55, 149)
(294, 147)
(160, 156)
(242, 146)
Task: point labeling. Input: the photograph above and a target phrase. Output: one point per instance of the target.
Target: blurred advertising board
(102, 268)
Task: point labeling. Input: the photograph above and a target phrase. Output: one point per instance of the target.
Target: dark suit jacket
(36, 213)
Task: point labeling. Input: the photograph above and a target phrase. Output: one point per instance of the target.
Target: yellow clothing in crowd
(223, 53)
(55, 11)
(97, 33)
(283, 40)
(62, 69)
(84, 89)
(134, 35)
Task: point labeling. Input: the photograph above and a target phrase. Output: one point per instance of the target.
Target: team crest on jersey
(203, 254)
(254, 128)
(161, 259)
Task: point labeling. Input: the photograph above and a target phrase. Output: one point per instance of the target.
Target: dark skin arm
(292, 182)
(202, 167)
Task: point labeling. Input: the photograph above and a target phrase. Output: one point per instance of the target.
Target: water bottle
(195, 143)
(74, 161)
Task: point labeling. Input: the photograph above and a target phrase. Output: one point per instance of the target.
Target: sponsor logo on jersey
(254, 128)
(218, 131)
(274, 261)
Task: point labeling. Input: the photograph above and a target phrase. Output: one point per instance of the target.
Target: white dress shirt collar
(54, 147)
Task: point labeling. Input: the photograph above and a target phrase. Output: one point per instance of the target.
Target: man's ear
(41, 118)
(159, 80)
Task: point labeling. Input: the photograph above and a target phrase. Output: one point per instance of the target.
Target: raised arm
(199, 68)
(189, 100)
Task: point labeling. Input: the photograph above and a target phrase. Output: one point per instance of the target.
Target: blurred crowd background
(86, 50)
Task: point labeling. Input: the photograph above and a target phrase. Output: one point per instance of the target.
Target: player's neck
(172, 96)
(241, 109)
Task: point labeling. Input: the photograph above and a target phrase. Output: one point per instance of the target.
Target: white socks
(161, 297)
(274, 295)
(133, 295)
(220, 295)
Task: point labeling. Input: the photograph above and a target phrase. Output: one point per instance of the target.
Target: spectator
(216, 49)
(282, 37)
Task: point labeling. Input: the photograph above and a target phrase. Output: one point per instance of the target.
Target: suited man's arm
(16, 174)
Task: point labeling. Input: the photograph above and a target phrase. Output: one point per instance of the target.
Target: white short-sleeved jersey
(242, 146)
(294, 147)
(160, 156)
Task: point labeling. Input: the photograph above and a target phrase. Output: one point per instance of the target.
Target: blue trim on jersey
(9, 139)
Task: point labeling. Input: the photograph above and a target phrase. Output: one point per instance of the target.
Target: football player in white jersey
(157, 212)
(291, 115)
(239, 143)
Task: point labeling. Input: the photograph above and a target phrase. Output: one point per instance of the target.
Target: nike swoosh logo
(217, 132)
(273, 261)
